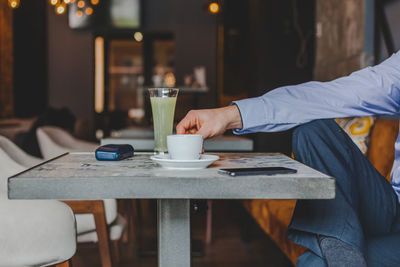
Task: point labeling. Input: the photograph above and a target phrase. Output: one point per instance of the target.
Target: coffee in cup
(185, 146)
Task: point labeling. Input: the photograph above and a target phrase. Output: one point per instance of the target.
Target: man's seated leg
(360, 196)
(383, 251)
(339, 253)
(309, 259)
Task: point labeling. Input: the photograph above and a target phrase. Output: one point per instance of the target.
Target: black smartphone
(257, 171)
(114, 152)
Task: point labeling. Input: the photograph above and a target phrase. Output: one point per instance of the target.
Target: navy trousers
(365, 212)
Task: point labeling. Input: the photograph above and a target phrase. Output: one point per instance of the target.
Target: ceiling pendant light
(14, 3)
(60, 9)
(85, 7)
(54, 2)
(214, 7)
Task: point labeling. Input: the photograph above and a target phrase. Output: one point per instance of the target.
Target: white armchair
(18, 155)
(33, 232)
(54, 141)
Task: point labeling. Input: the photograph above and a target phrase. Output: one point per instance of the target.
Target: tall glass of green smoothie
(163, 102)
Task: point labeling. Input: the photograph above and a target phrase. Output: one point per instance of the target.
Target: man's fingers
(180, 129)
(189, 124)
(204, 132)
(208, 123)
(184, 125)
(192, 131)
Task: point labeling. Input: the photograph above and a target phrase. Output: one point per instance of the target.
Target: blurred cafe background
(97, 58)
(84, 66)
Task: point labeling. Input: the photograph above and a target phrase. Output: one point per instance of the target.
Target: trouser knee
(309, 259)
(308, 136)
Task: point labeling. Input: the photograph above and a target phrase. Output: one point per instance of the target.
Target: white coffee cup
(185, 146)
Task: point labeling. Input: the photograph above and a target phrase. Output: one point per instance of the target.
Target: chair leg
(125, 234)
(104, 242)
(137, 223)
(64, 264)
(209, 223)
(115, 248)
(126, 237)
(96, 207)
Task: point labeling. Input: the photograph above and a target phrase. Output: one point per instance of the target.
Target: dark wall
(392, 11)
(30, 70)
(195, 37)
(70, 53)
(262, 52)
(280, 60)
(70, 66)
(275, 43)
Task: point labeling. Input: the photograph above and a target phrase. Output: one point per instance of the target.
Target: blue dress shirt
(370, 91)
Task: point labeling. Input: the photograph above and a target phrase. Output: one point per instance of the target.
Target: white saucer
(178, 164)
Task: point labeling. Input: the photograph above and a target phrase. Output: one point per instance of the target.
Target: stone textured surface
(343, 30)
(174, 233)
(80, 176)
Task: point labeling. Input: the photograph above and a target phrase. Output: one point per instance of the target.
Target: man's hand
(210, 122)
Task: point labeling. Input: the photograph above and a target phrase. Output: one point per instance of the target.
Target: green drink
(163, 102)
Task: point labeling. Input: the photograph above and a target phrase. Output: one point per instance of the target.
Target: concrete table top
(81, 176)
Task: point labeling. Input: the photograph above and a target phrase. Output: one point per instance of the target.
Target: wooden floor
(227, 249)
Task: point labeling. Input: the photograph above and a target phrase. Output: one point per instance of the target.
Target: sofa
(274, 216)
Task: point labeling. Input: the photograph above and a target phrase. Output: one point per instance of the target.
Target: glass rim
(162, 88)
(163, 92)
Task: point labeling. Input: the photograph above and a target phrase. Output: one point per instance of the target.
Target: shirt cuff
(252, 112)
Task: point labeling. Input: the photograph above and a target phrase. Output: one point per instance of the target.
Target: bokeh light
(54, 2)
(138, 36)
(81, 4)
(89, 11)
(60, 9)
(14, 3)
(79, 13)
(169, 79)
(214, 7)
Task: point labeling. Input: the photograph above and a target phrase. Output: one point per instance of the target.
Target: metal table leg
(174, 233)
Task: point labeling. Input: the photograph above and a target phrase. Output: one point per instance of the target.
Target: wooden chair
(96, 207)
(64, 264)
